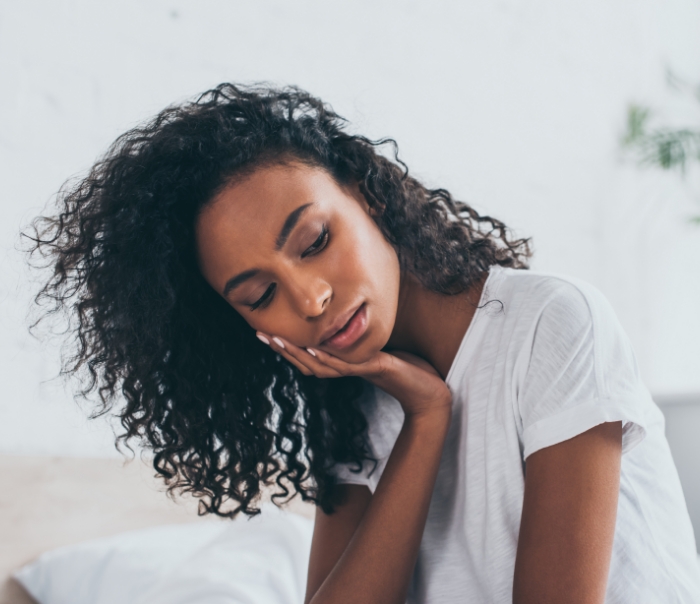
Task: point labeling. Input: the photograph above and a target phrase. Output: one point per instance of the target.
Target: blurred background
(521, 108)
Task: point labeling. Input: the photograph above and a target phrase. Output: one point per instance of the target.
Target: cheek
(381, 273)
(381, 264)
(364, 261)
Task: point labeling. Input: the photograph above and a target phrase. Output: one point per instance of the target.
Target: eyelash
(317, 245)
(320, 243)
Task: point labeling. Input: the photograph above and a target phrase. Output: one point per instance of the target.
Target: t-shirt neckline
(485, 292)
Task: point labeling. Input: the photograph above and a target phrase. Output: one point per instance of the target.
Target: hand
(411, 380)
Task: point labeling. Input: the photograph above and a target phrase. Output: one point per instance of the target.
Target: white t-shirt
(544, 359)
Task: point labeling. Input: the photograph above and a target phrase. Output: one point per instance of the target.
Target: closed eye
(319, 244)
(263, 300)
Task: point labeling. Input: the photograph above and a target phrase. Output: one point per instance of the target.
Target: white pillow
(262, 560)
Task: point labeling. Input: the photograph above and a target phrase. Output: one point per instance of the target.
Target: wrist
(436, 419)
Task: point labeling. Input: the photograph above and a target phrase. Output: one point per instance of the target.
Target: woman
(271, 300)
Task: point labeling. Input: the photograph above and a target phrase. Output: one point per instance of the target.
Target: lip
(347, 329)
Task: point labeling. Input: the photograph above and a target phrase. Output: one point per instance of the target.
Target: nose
(310, 294)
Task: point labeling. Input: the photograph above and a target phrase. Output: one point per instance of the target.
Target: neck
(432, 325)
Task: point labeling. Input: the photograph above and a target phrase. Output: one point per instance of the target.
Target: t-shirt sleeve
(580, 372)
(384, 420)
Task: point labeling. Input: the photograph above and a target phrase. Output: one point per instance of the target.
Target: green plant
(663, 147)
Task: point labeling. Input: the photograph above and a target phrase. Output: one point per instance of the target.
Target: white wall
(516, 106)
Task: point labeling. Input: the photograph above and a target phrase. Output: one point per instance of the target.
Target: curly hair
(224, 414)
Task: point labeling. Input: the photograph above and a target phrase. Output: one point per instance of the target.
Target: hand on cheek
(411, 380)
(307, 360)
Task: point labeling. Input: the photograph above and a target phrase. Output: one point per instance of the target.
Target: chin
(363, 353)
(360, 356)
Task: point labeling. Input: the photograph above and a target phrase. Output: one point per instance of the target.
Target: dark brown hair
(222, 412)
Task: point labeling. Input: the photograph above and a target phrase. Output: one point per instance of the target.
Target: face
(299, 256)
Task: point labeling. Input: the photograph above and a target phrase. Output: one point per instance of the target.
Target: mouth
(350, 332)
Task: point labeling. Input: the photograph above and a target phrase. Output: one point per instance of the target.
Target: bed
(49, 502)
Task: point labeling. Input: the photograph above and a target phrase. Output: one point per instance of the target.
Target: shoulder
(576, 367)
(559, 299)
(565, 322)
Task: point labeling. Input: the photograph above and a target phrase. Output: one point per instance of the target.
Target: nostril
(326, 302)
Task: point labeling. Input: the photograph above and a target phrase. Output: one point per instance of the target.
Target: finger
(310, 360)
(299, 365)
(302, 356)
(332, 362)
(279, 346)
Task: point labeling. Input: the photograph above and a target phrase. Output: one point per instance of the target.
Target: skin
(237, 232)
(367, 549)
(568, 520)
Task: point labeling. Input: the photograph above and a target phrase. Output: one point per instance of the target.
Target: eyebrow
(284, 233)
(288, 225)
(234, 282)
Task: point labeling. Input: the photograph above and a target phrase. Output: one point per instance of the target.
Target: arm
(377, 564)
(378, 561)
(568, 519)
(332, 533)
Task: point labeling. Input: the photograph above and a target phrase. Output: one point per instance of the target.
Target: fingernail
(279, 342)
(311, 352)
(263, 339)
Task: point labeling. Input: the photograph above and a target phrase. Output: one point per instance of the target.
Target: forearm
(379, 560)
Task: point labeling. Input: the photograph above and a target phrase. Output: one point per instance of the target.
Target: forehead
(244, 220)
(263, 200)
